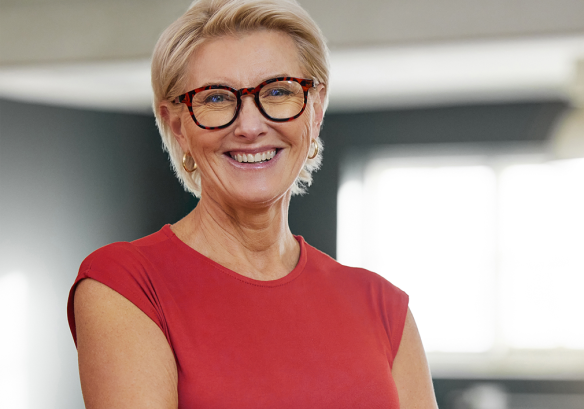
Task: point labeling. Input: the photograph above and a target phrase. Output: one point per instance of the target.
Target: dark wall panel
(70, 182)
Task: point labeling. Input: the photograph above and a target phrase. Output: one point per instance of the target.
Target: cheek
(308, 133)
(197, 145)
(187, 129)
(304, 134)
(311, 128)
(305, 137)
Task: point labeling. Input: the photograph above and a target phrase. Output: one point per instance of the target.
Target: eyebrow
(224, 83)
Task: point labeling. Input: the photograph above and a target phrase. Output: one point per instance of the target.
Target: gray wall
(70, 182)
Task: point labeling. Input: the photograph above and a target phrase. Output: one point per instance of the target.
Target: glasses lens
(282, 99)
(214, 107)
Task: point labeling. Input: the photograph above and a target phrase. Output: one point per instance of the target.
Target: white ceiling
(401, 52)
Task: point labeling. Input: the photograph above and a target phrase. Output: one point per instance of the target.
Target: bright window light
(432, 234)
(13, 312)
(542, 254)
(490, 250)
(350, 224)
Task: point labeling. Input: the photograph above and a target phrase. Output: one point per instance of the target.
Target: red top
(324, 336)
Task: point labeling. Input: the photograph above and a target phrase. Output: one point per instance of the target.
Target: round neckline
(260, 283)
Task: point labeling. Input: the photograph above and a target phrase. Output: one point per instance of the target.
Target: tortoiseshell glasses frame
(187, 99)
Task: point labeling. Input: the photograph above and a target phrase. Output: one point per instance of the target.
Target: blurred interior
(453, 166)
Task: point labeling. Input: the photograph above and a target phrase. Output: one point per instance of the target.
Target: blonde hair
(215, 18)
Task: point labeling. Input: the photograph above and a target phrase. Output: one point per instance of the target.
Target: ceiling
(414, 52)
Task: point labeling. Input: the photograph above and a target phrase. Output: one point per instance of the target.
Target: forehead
(244, 60)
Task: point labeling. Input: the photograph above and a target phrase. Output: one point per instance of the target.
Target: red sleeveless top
(324, 336)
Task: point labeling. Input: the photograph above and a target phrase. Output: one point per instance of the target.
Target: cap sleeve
(121, 267)
(396, 309)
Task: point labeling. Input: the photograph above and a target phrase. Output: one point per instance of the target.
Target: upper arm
(125, 360)
(411, 372)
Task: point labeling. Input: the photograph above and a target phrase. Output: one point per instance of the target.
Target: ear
(173, 118)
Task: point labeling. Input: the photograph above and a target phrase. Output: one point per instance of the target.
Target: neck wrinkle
(256, 243)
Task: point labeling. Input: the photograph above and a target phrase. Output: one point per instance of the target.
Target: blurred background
(453, 166)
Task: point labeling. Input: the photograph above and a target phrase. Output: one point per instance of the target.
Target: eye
(278, 92)
(215, 99)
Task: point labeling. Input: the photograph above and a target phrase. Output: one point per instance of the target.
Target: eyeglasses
(278, 99)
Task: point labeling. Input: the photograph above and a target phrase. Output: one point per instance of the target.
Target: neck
(254, 242)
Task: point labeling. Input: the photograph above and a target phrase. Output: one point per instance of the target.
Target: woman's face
(238, 62)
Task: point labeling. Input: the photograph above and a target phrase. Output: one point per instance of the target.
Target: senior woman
(226, 308)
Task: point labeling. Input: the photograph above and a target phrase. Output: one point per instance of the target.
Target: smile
(253, 158)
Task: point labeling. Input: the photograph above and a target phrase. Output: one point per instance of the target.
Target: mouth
(259, 157)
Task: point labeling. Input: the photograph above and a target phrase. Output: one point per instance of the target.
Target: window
(488, 243)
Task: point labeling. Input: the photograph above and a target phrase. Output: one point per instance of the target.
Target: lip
(253, 151)
(253, 165)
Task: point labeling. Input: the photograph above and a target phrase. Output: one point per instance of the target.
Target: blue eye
(215, 99)
(278, 92)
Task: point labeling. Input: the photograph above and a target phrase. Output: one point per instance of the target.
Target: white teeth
(258, 157)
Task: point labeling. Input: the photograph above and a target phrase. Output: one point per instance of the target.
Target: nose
(250, 123)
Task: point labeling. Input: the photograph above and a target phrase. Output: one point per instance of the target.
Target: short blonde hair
(215, 18)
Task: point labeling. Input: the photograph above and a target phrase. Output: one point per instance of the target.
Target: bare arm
(411, 372)
(124, 359)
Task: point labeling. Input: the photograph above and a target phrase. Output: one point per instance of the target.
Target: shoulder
(117, 255)
(130, 269)
(368, 292)
(358, 278)
(113, 253)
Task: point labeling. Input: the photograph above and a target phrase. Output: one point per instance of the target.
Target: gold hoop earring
(184, 163)
(315, 149)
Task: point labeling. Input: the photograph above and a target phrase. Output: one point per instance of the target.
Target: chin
(260, 195)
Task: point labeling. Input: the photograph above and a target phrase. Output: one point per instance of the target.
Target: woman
(226, 308)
